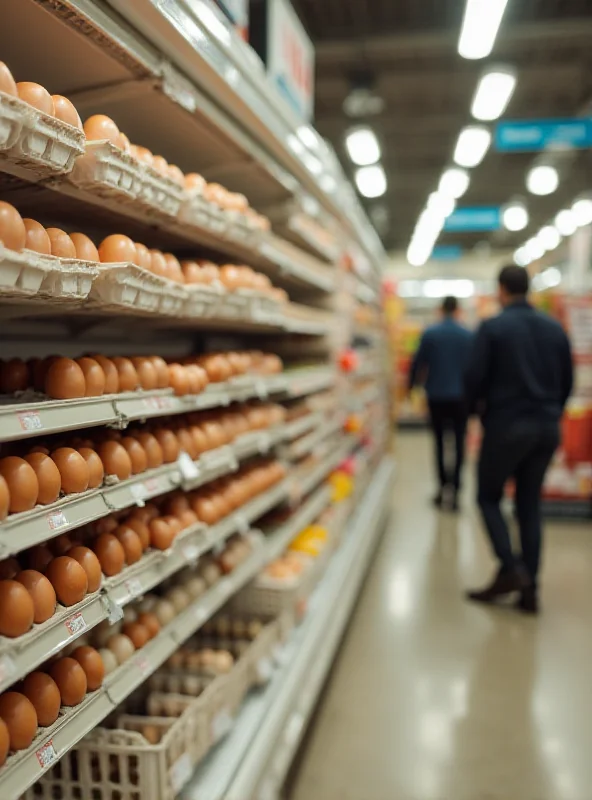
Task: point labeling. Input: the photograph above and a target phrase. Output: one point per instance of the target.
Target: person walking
(440, 362)
(519, 378)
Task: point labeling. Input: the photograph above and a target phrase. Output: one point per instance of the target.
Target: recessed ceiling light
(565, 222)
(493, 93)
(454, 182)
(542, 180)
(582, 211)
(362, 147)
(471, 146)
(480, 25)
(515, 217)
(371, 181)
(548, 237)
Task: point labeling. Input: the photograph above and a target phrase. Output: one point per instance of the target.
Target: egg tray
(239, 229)
(160, 195)
(137, 290)
(202, 301)
(272, 597)
(28, 275)
(108, 171)
(196, 211)
(35, 141)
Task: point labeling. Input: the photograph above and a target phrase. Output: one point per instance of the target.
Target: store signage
(290, 57)
(534, 135)
(472, 219)
(447, 252)
(238, 12)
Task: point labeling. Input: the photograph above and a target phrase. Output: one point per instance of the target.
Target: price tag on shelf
(56, 520)
(30, 421)
(46, 755)
(75, 624)
(7, 668)
(191, 554)
(143, 664)
(158, 403)
(139, 493)
(134, 587)
(189, 468)
(114, 610)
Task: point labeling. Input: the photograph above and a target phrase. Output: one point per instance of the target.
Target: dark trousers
(449, 416)
(522, 452)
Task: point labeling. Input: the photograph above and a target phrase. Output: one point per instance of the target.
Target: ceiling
(409, 48)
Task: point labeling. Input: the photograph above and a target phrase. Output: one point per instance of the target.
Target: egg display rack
(25, 768)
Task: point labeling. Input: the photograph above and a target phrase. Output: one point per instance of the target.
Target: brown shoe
(504, 583)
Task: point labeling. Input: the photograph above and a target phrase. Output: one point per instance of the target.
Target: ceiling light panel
(371, 181)
(454, 182)
(480, 25)
(542, 180)
(493, 94)
(473, 142)
(362, 147)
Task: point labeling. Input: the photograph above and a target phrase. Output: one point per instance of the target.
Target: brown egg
(144, 155)
(13, 233)
(9, 567)
(128, 377)
(96, 472)
(116, 460)
(61, 544)
(4, 735)
(143, 257)
(160, 164)
(137, 454)
(123, 143)
(36, 96)
(149, 621)
(110, 372)
(152, 448)
(48, 477)
(14, 376)
(131, 543)
(105, 525)
(20, 717)
(61, 244)
(89, 563)
(37, 237)
(23, 487)
(39, 557)
(161, 535)
(174, 524)
(169, 443)
(140, 527)
(174, 270)
(73, 470)
(217, 367)
(91, 662)
(158, 264)
(70, 679)
(110, 553)
(230, 277)
(215, 433)
(178, 379)
(192, 272)
(42, 593)
(175, 174)
(45, 696)
(117, 249)
(162, 372)
(146, 373)
(64, 379)
(188, 518)
(66, 111)
(68, 578)
(195, 182)
(187, 442)
(137, 633)
(85, 248)
(197, 377)
(206, 510)
(99, 127)
(18, 609)
(7, 84)
(200, 439)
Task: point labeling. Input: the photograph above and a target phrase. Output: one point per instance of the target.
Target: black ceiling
(409, 46)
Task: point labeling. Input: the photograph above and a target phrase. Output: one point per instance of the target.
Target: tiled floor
(436, 699)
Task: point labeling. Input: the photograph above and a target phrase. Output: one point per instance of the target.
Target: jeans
(449, 415)
(522, 452)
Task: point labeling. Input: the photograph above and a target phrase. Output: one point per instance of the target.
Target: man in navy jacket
(441, 361)
(519, 379)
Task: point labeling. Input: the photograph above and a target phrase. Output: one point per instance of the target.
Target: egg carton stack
(137, 290)
(189, 707)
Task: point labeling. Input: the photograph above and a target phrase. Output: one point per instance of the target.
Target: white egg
(165, 612)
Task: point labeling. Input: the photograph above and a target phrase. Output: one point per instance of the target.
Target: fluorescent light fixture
(441, 287)
(409, 288)
(328, 183)
(549, 237)
(307, 136)
(515, 217)
(441, 204)
(551, 277)
(542, 180)
(454, 182)
(312, 163)
(362, 147)
(534, 249)
(473, 142)
(521, 257)
(371, 181)
(493, 93)
(565, 222)
(479, 27)
(582, 211)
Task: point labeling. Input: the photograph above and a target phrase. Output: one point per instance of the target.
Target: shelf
(253, 759)
(327, 426)
(311, 478)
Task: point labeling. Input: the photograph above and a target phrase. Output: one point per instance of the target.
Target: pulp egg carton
(202, 301)
(262, 307)
(136, 289)
(159, 194)
(38, 142)
(69, 279)
(273, 597)
(107, 170)
(241, 229)
(235, 305)
(21, 274)
(196, 210)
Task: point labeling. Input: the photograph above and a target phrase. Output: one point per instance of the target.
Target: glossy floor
(435, 699)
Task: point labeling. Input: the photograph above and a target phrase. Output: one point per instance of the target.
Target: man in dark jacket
(519, 379)
(441, 361)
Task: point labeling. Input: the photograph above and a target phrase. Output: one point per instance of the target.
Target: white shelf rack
(253, 759)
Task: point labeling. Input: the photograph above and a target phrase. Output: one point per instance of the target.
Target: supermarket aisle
(435, 699)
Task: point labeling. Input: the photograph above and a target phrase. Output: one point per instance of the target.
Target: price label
(75, 624)
(56, 520)
(30, 421)
(134, 587)
(181, 771)
(7, 668)
(221, 724)
(139, 493)
(189, 469)
(158, 403)
(46, 755)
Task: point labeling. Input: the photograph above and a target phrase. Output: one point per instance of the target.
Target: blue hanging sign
(446, 252)
(538, 134)
(473, 219)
